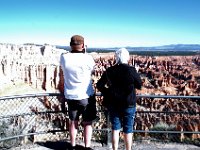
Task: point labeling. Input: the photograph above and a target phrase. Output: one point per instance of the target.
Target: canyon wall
(37, 66)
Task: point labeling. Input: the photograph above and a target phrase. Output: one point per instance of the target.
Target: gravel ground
(96, 146)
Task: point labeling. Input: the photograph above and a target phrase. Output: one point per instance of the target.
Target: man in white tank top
(77, 67)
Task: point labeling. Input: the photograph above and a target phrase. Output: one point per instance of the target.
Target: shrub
(161, 126)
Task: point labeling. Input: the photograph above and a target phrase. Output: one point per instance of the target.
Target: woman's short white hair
(122, 56)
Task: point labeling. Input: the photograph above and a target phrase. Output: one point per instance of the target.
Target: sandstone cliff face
(37, 66)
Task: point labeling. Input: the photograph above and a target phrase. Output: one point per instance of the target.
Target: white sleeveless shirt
(77, 69)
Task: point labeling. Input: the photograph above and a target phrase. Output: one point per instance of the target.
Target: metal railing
(42, 116)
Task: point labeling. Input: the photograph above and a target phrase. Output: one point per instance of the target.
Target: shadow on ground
(58, 145)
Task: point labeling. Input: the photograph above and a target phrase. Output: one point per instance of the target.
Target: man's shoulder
(88, 56)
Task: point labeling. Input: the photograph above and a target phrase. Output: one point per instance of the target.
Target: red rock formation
(175, 75)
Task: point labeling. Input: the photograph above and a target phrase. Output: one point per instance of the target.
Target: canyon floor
(19, 88)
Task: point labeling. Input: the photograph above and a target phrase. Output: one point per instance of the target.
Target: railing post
(109, 134)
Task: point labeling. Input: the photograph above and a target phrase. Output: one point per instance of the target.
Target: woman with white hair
(121, 80)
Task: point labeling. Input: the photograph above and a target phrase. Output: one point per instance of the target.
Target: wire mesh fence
(43, 117)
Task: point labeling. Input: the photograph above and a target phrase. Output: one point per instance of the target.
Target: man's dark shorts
(85, 107)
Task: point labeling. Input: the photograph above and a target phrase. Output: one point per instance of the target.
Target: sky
(103, 23)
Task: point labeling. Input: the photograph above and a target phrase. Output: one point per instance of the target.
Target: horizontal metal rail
(108, 130)
(98, 94)
(105, 129)
(30, 95)
(56, 112)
